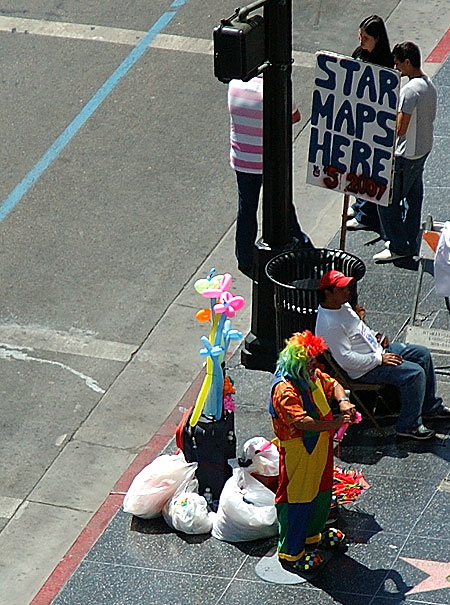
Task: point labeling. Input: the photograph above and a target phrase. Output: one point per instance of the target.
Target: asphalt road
(117, 194)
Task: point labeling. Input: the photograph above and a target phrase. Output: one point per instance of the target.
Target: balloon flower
(213, 399)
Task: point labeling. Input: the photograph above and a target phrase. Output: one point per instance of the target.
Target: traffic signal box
(239, 48)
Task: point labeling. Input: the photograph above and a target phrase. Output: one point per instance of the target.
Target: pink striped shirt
(245, 104)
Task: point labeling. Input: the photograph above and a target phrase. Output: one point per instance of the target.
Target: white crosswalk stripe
(116, 35)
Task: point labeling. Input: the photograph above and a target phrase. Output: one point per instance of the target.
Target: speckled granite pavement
(398, 530)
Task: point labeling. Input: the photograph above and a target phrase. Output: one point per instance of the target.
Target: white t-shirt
(351, 342)
(418, 97)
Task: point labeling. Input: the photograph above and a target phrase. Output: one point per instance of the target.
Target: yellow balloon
(207, 381)
(201, 399)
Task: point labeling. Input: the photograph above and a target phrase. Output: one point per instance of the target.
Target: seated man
(369, 357)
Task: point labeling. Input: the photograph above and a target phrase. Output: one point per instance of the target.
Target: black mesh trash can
(296, 277)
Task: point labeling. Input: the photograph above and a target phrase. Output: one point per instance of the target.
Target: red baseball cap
(335, 279)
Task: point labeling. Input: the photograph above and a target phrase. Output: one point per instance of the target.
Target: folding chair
(356, 387)
(435, 339)
(431, 231)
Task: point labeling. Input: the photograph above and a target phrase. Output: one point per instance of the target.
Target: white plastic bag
(442, 262)
(267, 462)
(246, 510)
(188, 512)
(156, 484)
(253, 446)
(264, 456)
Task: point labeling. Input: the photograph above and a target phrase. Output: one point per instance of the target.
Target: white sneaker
(350, 212)
(354, 225)
(386, 256)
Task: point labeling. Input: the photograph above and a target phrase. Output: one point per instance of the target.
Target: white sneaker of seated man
(387, 256)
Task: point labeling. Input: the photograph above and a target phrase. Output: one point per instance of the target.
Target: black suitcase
(210, 443)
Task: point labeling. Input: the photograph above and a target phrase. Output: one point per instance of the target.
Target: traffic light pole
(260, 350)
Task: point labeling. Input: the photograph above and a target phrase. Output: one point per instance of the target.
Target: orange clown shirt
(288, 405)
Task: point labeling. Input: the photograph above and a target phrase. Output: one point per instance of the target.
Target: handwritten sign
(353, 125)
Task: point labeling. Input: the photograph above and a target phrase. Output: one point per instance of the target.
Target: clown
(304, 425)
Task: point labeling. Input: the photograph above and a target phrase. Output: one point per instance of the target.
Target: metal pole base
(260, 350)
(258, 354)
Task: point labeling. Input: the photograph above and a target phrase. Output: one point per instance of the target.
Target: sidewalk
(398, 530)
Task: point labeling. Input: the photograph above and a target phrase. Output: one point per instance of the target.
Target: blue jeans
(249, 188)
(366, 213)
(400, 221)
(415, 381)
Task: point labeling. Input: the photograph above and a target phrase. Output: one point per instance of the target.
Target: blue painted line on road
(93, 104)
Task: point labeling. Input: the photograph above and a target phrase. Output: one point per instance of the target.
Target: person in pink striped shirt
(245, 104)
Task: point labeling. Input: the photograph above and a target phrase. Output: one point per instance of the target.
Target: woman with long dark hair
(373, 48)
(374, 44)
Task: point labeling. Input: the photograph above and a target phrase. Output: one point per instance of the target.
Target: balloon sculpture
(216, 388)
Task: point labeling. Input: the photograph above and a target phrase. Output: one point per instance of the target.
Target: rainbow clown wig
(299, 349)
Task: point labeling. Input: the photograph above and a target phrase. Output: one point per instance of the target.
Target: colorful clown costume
(305, 484)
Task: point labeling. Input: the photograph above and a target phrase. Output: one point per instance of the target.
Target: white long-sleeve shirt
(351, 342)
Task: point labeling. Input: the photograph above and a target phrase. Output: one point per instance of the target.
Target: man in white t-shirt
(245, 104)
(401, 220)
(369, 357)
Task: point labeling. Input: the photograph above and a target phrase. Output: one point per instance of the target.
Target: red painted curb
(441, 51)
(72, 559)
(101, 519)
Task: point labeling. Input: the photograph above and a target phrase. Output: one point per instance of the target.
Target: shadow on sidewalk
(351, 583)
(365, 445)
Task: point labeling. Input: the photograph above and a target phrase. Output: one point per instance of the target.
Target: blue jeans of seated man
(249, 188)
(415, 381)
(400, 221)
